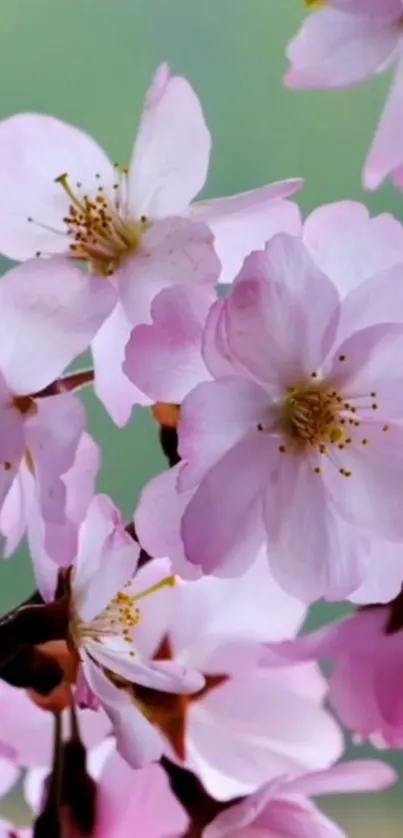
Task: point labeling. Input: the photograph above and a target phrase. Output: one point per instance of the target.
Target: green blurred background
(90, 62)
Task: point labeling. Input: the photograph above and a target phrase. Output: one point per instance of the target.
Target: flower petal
(296, 734)
(370, 364)
(58, 309)
(158, 517)
(312, 552)
(215, 416)
(107, 558)
(370, 497)
(171, 153)
(245, 222)
(226, 536)
(35, 149)
(385, 154)
(175, 251)
(137, 741)
(113, 388)
(115, 655)
(271, 329)
(349, 246)
(52, 435)
(164, 358)
(345, 778)
(336, 50)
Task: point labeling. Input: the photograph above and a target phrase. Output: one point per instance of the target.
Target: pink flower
(46, 319)
(342, 45)
(247, 724)
(65, 196)
(125, 798)
(117, 621)
(164, 358)
(27, 731)
(51, 543)
(367, 654)
(296, 442)
(282, 809)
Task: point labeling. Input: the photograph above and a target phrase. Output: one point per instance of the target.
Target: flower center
(310, 416)
(100, 229)
(118, 619)
(168, 711)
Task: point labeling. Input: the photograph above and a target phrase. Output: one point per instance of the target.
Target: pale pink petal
(171, 153)
(9, 774)
(113, 388)
(336, 50)
(386, 154)
(212, 612)
(345, 778)
(217, 355)
(384, 574)
(294, 736)
(9, 830)
(245, 222)
(158, 516)
(44, 566)
(142, 797)
(349, 246)
(215, 416)
(312, 552)
(59, 539)
(29, 730)
(107, 558)
(12, 519)
(57, 309)
(137, 741)
(222, 527)
(35, 149)
(175, 251)
(376, 8)
(115, 655)
(34, 787)
(164, 359)
(378, 299)
(268, 303)
(371, 365)
(11, 440)
(52, 437)
(297, 819)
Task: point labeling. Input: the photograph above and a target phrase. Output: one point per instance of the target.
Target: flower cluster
(155, 681)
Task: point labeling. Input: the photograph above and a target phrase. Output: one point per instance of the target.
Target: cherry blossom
(124, 797)
(58, 315)
(282, 809)
(114, 632)
(341, 45)
(134, 225)
(366, 650)
(218, 626)
(302, 408)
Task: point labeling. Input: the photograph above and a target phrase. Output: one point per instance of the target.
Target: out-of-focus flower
(125, 798)
(53, 543)
(247, 724)
(282, 809)
(135, 225)
(47, 319)
(113, 632)
(367, 652)
(341, 44)
(300, 430)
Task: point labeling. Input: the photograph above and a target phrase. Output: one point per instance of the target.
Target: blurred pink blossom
(343, 44)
